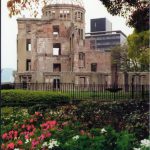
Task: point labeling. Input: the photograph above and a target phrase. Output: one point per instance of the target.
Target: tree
(139, 51)
(120, 58)
(135, 11)
(16, 7)
(120, 62)
(133, 56)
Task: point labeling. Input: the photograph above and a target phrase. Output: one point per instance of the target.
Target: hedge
(29, 98)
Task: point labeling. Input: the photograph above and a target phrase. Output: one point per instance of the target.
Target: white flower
(76, 137)
(145, 143)
(27, 141)
(52, 143)
(16, 149)
(136, 149)
(44, 144)
(103, 130)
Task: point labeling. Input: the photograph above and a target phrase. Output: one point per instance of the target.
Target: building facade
(100, 24)
(105, 40)
(53, 49)
(102, 37)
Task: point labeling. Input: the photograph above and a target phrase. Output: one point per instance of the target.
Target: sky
(94, 9)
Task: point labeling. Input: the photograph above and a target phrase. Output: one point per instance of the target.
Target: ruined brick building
(53, 49)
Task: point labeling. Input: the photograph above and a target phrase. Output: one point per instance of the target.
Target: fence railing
(88, 91)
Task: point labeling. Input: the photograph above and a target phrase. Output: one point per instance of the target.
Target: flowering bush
(42, 132)
(30, 133)
(144, 145)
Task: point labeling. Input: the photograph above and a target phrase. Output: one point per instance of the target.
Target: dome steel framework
(73, 2)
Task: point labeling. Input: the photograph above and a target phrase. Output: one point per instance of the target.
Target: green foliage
(125, 141)
(26, 98)
(120, 57)
(135, 11)
(131, 116)
(103, 141)
(139, 51)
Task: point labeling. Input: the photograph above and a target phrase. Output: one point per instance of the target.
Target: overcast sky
(94, 9)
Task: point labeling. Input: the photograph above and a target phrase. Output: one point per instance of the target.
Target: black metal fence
(90, 91)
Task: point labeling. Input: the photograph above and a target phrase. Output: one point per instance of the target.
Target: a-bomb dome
(73, 2)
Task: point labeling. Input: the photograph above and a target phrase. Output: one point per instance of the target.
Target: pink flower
(20, 142)
(10, 136)
(48, 134)
(10, 146)
(26, 136)
(37, 113)
(31, 120)
(42, 137)
(32, 126)
(28, 127)
(34, 143)
(82, 132)
(2, 146)
(4, 136)
(23, 126)
(15, 134)
(31, 133)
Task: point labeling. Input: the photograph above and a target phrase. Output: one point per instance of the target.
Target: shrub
(40, 131)
(30, 98)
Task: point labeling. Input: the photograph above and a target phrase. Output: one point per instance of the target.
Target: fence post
(142, 92)
(73, 92)
(132, 90)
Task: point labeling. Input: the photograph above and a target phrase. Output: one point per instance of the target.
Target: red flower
(11, 145)
(2, 146)
(20, 142)
(23, 126)
(31, 120)
(31, 133)
(28, 127)
(48, 134)
(82, 132)
(34, 143)
(37, 113)
(15, 133)
(42, 137)
(26, 136)
(4, 136)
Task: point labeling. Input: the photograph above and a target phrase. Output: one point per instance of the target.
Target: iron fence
(88, 91)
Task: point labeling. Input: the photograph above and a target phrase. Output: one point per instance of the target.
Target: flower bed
(42, 132)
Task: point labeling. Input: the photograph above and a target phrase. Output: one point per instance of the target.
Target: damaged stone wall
(66, 48)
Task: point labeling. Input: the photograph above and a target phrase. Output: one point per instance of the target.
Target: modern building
(100, 24)
(102, 37)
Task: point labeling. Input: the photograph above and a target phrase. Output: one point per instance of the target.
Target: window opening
(94, 67)
(56, 67)
(28, 44)
(82, 80)
(55, 30)
(28, 64)
(81, 56)
(28, 28)
(56, 83)
(61, 14)
(53, 14)
(56, 49)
